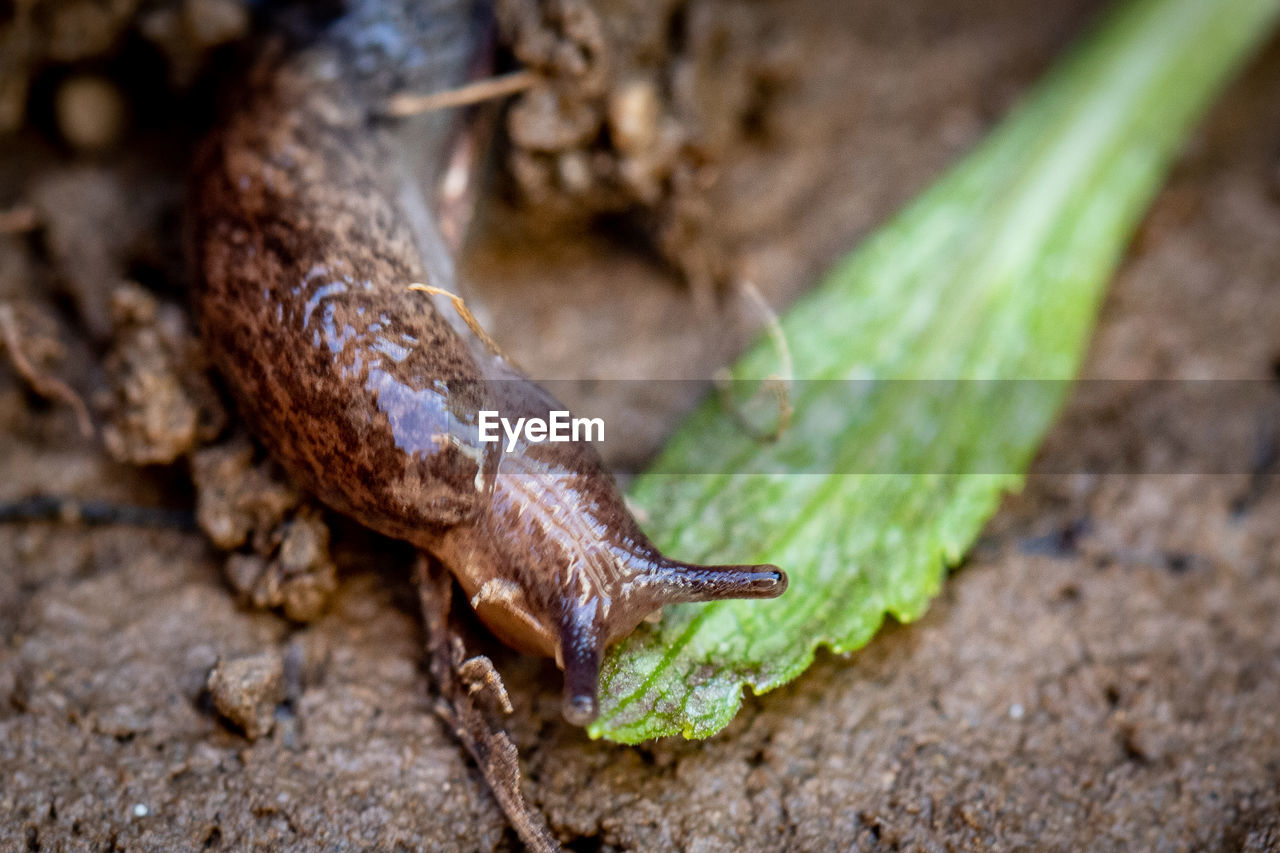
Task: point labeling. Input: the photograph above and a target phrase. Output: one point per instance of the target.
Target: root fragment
(471, 691)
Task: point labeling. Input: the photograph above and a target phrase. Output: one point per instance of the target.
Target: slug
(311, 214)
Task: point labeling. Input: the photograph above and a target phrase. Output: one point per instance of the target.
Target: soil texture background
(1103, 672)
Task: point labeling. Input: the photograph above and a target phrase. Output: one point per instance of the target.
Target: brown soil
(1103, 672)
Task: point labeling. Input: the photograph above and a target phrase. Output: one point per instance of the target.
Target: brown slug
(309, 219)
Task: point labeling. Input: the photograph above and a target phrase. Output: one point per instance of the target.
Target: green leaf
(995, 272)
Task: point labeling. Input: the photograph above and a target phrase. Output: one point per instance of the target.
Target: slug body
(311, 215)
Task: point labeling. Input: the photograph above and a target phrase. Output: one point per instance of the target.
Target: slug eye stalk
(674, 582)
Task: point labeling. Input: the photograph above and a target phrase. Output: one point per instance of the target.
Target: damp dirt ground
(1102, 672)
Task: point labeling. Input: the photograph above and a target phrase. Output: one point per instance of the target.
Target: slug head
(569, 584)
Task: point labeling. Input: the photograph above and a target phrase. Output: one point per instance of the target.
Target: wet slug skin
(310, 216)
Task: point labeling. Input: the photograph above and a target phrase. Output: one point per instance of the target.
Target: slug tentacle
(674, 582)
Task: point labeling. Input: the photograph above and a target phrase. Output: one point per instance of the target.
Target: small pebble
(633, 117)
(90, 112)
(247, 690)
(575, 171)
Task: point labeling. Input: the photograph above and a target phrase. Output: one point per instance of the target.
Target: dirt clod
(236, 498)
(247, 690)
(241, 504)
(162, 403)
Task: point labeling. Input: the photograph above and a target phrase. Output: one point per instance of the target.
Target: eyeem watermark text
(559, 426)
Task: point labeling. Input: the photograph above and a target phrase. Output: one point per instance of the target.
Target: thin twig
(93, 512)
(408, 104)
(49, 387)
(462, 681)
(777, 384)
(460, 305)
